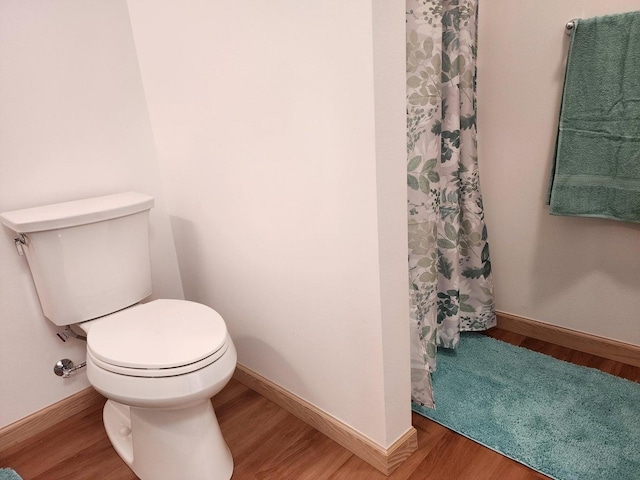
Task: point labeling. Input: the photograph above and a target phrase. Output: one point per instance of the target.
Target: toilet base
(174, 444)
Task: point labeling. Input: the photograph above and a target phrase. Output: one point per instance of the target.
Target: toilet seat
(161, 338)
(159, 372)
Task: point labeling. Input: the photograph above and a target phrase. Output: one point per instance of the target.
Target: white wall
(280, 132)
(579, 273)
(73, 123)
(389, 67)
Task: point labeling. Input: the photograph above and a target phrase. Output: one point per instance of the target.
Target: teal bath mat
(9, 474)
(565, 421)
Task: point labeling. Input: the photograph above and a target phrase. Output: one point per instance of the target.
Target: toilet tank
(88, 258)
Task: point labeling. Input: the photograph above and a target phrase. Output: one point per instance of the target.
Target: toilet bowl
(158, 363)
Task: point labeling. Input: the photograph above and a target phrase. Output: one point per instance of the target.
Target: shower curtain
(449, 266)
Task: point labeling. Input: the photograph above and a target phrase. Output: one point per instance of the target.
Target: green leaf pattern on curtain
(449, 264)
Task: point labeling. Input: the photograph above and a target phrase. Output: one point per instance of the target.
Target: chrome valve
(65, 367)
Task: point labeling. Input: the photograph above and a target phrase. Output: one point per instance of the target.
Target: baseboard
(565, 337)
(385, 460)
(39, 421)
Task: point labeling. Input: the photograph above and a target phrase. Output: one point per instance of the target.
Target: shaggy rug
(9, 474)
(565, 421)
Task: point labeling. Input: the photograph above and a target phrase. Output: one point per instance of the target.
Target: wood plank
(603, 347)
(429, 434)
(268, 442)
(61, 439)
(53, 414)
(384, 459)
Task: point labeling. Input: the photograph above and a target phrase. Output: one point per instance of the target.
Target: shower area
(544, 268)
(485, 85)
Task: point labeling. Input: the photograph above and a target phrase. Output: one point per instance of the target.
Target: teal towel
(596, 172)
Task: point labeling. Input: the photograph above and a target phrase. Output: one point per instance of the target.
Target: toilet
(157, 363)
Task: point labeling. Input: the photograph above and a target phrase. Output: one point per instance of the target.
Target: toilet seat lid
(161, 334)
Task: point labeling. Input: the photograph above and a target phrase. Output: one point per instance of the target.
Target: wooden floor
(269, 443)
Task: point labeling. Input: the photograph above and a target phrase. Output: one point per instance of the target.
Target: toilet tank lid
(77, 212)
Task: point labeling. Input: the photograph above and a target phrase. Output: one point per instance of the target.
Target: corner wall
(578, 273)
(280, 136)
(73, 124)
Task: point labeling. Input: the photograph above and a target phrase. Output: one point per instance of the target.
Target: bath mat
(566, 421)
(9, 474)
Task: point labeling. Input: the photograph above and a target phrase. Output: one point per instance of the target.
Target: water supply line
(65, 368)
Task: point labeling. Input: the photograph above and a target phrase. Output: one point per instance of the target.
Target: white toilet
(158, 363)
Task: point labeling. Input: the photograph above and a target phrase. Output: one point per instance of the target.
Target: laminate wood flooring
(269, 443)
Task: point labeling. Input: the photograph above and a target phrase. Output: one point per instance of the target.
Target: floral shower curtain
(449, 266)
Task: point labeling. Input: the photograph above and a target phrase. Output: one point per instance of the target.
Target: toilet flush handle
(20, 241)
(68, 332)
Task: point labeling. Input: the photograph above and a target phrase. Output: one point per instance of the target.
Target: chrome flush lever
(68, 332)
(20, 241)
